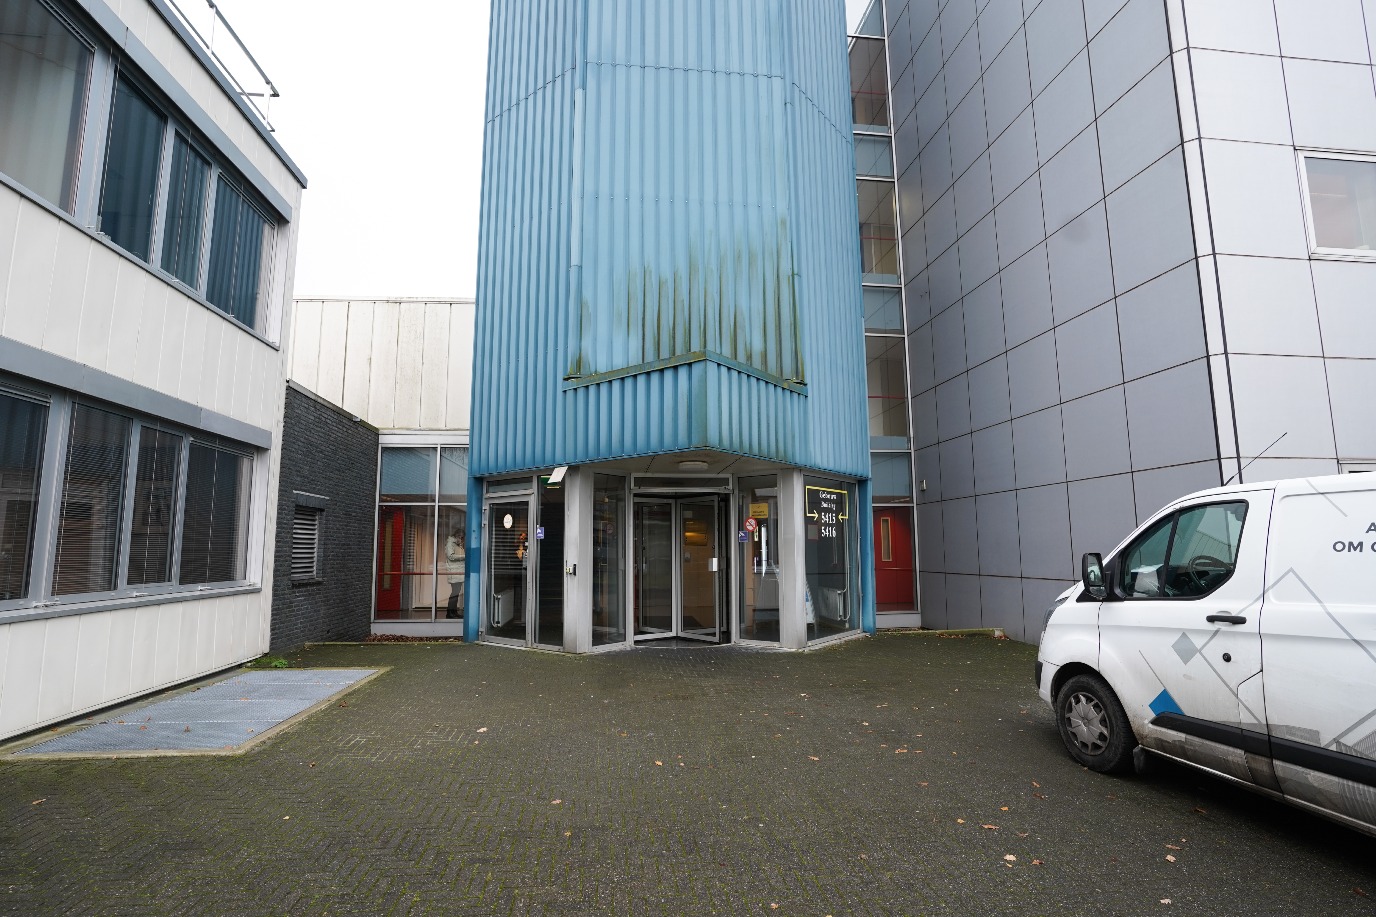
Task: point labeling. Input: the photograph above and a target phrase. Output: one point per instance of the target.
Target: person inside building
(454, 567)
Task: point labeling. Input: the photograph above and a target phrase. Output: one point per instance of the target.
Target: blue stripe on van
(1164, 703)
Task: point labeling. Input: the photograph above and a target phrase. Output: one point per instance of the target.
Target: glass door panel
(759, 602)
(405, 563)
(508, 563)
(654, 568)
(549, 574)
(701, 563)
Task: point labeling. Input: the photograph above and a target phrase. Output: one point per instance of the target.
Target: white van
(1236, 632)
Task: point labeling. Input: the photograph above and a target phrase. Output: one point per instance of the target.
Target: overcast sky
(382, 108)
(384, 114)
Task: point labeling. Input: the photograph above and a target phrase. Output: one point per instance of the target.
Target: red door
(893, 559)
(390, 541)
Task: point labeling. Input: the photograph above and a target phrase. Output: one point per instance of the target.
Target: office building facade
(669, 421)
(1138, 239)
(147, 238)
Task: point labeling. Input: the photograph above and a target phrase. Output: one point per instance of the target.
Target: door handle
(1226, 619)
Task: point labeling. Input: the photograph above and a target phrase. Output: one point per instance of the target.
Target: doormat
(225, 717)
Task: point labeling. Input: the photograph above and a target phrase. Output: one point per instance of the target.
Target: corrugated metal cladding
(669, 235)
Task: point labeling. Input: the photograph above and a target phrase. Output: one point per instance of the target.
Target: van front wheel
(1093, 725)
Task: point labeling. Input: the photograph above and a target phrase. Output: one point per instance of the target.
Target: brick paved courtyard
(895, 775)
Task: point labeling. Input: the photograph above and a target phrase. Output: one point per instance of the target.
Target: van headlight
(1052, 610)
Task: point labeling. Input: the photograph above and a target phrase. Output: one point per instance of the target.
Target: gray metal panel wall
(1061, 380)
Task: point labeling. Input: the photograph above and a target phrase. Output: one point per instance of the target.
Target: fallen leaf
(813, 758)
(555, 802)
(1036, 784)
(311, 764)
(1036, 862)
(1173, 847)
(1170, 858)
(960, 821)
(1010, 858)
(484, 729)
(1038, 796)
(286, 818)
(773, 906)
(38, 802)
(659, 764)
(990, 827)
(1003, 808)
(1024, 833)
(568, 834)
(1165, 901)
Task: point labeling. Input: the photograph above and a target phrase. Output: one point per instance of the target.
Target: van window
(1144, 561)
(1186, 555)
(1204, 550)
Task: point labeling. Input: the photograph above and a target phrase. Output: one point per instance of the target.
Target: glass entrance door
(699, 608)
(508, 570)
(655, 570)
(679, 570)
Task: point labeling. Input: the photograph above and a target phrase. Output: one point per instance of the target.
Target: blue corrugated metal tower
(668, 257)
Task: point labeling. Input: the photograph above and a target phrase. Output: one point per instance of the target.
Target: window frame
(61, 405)
(90, 154)
(80, 142)
(435, 504)
(1316, 251)
(1115, 580)
(175, 125)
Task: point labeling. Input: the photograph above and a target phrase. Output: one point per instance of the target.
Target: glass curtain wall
(421, 525)
(885, 339)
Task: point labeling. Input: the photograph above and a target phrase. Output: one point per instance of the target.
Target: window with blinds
(138, 507)
(89, 522)
(215, 519)
(305, 543)
(155, 492)
(25, 423)
(236, 254)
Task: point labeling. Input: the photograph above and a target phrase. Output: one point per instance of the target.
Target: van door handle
(1226, 619)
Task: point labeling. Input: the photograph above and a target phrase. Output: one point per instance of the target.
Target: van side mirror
(1092, 575)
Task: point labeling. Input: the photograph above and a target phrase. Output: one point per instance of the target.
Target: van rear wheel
(1093, 725)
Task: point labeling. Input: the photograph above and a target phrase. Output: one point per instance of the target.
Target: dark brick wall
(326, 452)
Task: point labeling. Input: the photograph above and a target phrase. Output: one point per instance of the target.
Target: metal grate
(305, 543)
(217, 717)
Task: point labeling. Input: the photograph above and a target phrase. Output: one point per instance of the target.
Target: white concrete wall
(1291, 333)
(398, 364)
(67, 291)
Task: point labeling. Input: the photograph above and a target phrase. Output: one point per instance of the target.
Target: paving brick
(477, 780)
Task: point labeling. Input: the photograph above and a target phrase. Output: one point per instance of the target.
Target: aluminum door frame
(489, 527)
(715, 503)
(674, 590)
